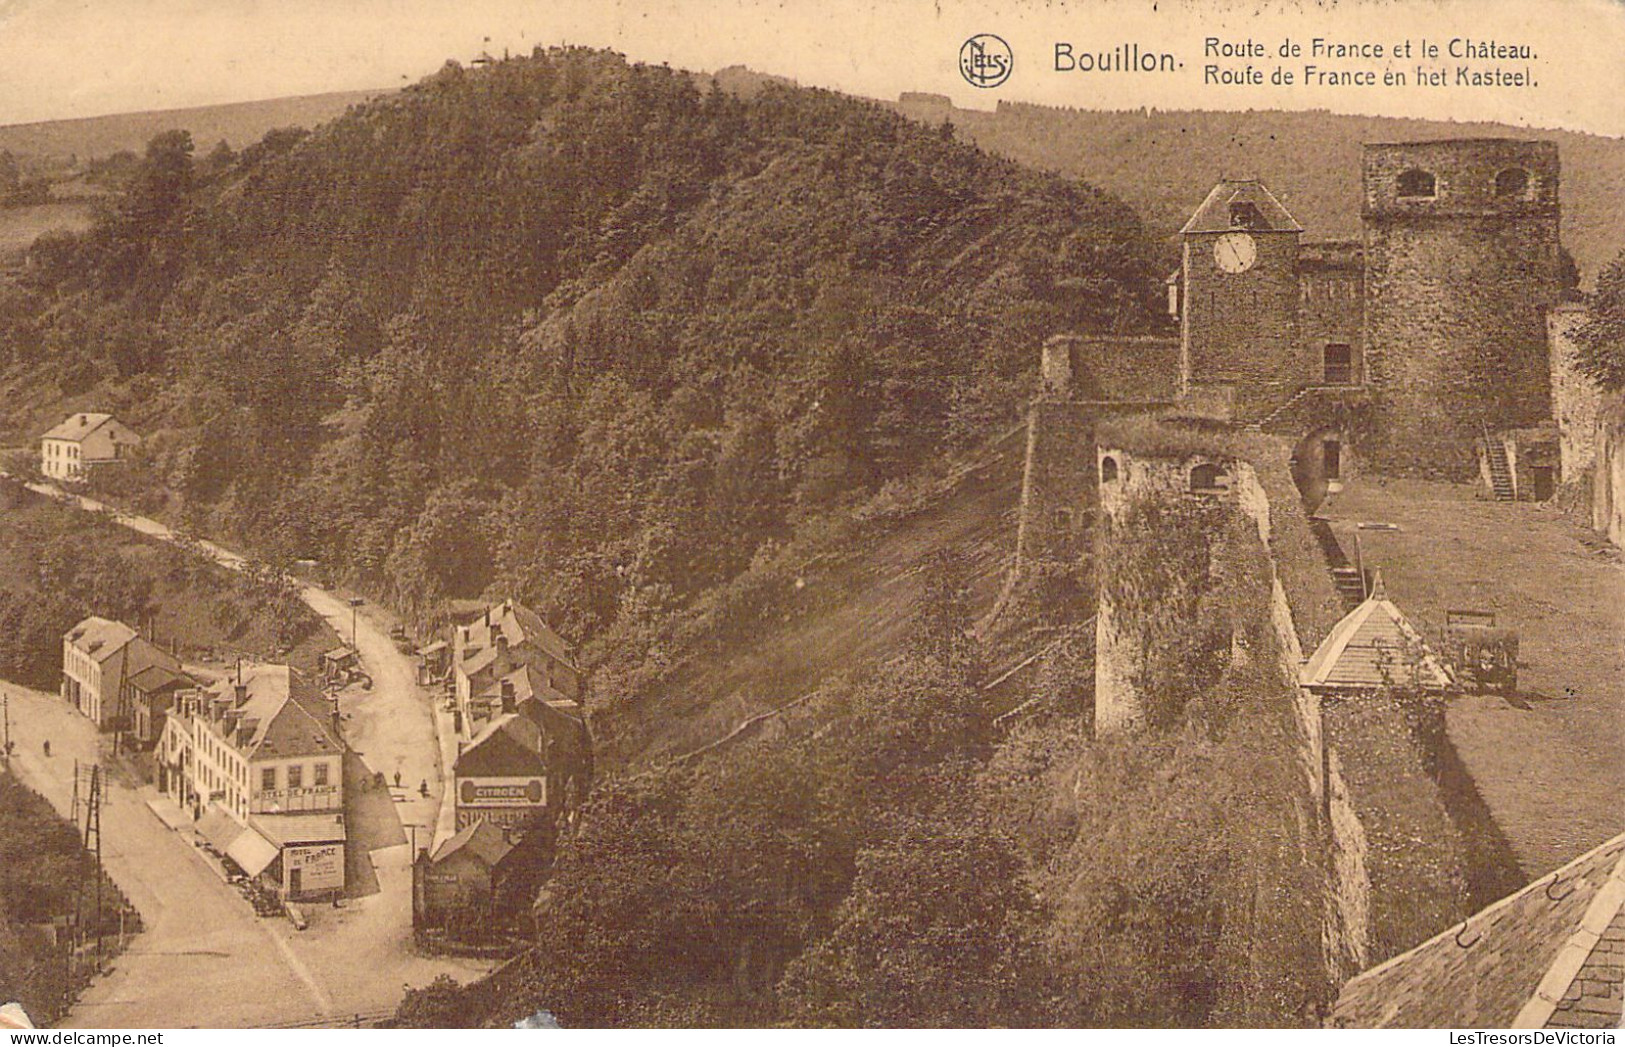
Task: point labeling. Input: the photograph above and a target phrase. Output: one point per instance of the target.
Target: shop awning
(220, 829)
(291, 830)
(252, 851)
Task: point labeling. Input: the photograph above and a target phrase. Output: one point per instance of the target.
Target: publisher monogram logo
(985, 60)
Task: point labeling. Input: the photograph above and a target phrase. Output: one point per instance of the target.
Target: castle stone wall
(1575, 397)
(1412, 854)
(1331, 309)
(1608, 475)
(1058, 485)
(1241, 329)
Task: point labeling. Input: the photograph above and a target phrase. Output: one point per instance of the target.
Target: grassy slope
(1546, 761)
(854, 605)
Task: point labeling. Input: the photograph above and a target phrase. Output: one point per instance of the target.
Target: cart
(1482, 651)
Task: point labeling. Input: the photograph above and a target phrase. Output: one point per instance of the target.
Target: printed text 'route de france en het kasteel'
(1457, 62)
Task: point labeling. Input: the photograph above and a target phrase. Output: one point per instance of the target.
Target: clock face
(1235, 252)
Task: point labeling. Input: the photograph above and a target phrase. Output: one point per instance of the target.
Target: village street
(202, 942)
(354, 959)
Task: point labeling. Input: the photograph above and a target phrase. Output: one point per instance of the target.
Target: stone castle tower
(1461, 264)
(1239, 266)
(1412, 341)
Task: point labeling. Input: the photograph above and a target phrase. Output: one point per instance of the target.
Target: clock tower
(1239, 274)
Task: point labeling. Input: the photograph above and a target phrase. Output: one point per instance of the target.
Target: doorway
(1541, 479)
(1331, 459)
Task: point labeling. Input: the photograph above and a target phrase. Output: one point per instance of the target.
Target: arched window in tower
(1108, 469)
(1245, 215)
(1512, 184)
(1417, 184)
(1207, 478)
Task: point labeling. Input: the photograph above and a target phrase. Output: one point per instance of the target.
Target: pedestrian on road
(423, 787)
(47, 747)
(397, 779)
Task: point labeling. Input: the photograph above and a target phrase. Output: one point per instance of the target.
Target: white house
(82, 442)
(99, 656)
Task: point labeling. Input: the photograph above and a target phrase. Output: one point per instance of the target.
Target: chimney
(503, 662)
(240, 692)
(507, 694)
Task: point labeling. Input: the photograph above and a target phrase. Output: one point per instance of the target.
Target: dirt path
(1549, 762)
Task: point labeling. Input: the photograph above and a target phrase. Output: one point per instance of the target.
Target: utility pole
(355, 601)
(90, 843)
(93, 825)
(5, 715)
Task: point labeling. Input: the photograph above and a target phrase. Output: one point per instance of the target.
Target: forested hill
(563, 327)
(1163, 162)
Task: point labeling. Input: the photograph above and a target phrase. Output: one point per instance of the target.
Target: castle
(1184, 472)
(1422, 348)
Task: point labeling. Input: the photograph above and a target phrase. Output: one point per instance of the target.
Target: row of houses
(255, 759)
(257, 762)
(523, 764)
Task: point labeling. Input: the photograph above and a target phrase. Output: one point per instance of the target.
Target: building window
(320, 774)
(1331, 459)
(268, 779)
(1245, 215)
(1108, 469)
(1512, 183)
(1417, 183)
(296, 775)
(1206, 478)
(1338, 364)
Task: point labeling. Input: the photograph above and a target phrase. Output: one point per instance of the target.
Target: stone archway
(1321, 462)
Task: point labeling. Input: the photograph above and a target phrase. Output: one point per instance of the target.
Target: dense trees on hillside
(616, 330)
(1602, 336)
(576, 331)
(58, 565)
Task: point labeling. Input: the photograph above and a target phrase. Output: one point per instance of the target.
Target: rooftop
(1216, 214)
(1549, 955)
(1374, 646)
(517, 624)
(279, 703)
(510, 745)
(101, 638)
(77, 426)
(482, 839)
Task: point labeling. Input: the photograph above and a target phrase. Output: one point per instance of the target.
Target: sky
(70, 58)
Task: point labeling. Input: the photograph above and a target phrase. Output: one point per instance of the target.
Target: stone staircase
(1500, 471)
(1350, 586)
(1299, 397)
(1345, 576)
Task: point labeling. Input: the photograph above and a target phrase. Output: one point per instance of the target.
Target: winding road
(205, 959)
